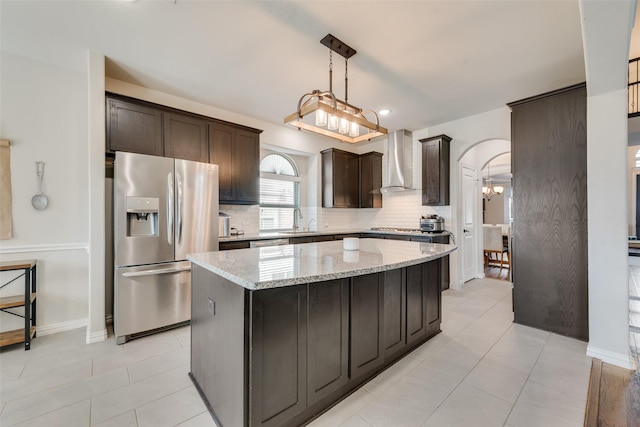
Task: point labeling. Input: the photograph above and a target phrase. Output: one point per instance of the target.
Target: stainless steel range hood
(399, 162)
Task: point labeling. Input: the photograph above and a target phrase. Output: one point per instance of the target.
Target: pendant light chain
(346, 80)
(330, 70)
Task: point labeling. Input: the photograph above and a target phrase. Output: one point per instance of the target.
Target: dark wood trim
(547, 94)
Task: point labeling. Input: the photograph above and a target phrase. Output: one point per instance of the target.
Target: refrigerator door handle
(170, 208)
(179, 210)
(156, 271)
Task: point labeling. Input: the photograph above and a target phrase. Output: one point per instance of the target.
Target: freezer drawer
(150, 297)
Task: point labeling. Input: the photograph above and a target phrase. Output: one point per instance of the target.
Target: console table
(28, 301)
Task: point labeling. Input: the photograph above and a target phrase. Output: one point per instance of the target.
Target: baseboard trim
(56, 328)
(622, 360)
(97, 336)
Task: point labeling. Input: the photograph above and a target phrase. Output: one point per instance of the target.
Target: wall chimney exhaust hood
(399, 162)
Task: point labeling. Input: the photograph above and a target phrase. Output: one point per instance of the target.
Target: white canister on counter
(351, 243)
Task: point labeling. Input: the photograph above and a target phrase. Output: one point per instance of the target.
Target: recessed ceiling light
(384, 112)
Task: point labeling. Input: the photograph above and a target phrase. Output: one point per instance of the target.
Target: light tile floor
(482, 370)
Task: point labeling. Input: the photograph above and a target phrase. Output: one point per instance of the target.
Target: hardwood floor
(492, 272)
(614, 396)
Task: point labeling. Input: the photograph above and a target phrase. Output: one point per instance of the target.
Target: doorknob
(466, 231)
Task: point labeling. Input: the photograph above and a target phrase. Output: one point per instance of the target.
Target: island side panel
(218, 341)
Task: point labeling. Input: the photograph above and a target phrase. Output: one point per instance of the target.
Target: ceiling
(428, 61)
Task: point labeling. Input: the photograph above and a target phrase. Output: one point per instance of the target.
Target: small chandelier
(333, 117)
(490, 190)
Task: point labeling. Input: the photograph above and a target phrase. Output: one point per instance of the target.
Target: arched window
(279, 192)
(638, 158)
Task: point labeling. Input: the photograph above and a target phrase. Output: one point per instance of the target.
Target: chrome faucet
(297, 216)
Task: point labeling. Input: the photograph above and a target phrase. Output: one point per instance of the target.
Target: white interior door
(469, 208)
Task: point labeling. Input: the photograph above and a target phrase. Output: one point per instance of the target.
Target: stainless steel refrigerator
(164, 209)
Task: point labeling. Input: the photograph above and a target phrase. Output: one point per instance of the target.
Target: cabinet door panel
(221, 141)
(133, 128)
(246, 162)
(416, 306)
(353, 182)
(367, 311)
(278, 358)
(370, 180)
(185, 137)
(328, 338)
(435, 170)
(432, 276)
(394, 311)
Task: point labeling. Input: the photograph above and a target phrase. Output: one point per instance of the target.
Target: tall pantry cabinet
(549, 166)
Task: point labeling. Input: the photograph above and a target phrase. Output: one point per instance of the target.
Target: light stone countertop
(286, 265)
(324, 232)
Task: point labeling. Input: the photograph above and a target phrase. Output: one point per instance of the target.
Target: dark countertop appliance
(433, 223)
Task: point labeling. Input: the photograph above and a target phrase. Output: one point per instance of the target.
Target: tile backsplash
(402, 209)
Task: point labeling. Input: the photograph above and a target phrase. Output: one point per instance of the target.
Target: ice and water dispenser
(142, 216)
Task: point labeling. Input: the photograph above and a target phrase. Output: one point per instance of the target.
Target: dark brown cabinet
(370, 180)
(435, 170)
(367, 312)
(549, 166)
(344, 184)
(289, 353)
(141, 127)
(340, 179)
(327, 338)
(185, 137)
(236, 151)
(133, 127)
(395, 317)
(278, 355)
(241, 244)
(423, 300)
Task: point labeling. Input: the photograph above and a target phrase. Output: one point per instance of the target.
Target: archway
(467, 217)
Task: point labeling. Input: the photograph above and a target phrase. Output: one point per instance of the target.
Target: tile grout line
(528, 377)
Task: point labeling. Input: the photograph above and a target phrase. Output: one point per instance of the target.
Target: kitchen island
(279, 334)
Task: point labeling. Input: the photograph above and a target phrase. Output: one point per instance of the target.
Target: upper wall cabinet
(236, 151)
(348, 179)
(370, 180)
(435, 170)
(185, 137)
(340, 179)
(141, 127)
(134, 127)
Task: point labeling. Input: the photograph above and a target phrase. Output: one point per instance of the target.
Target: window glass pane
(279, 195)
(276, 218)
(638, 159)
(275, 192)
(274, 163)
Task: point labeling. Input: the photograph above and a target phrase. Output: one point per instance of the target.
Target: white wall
(44, 114)
(606, 32)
